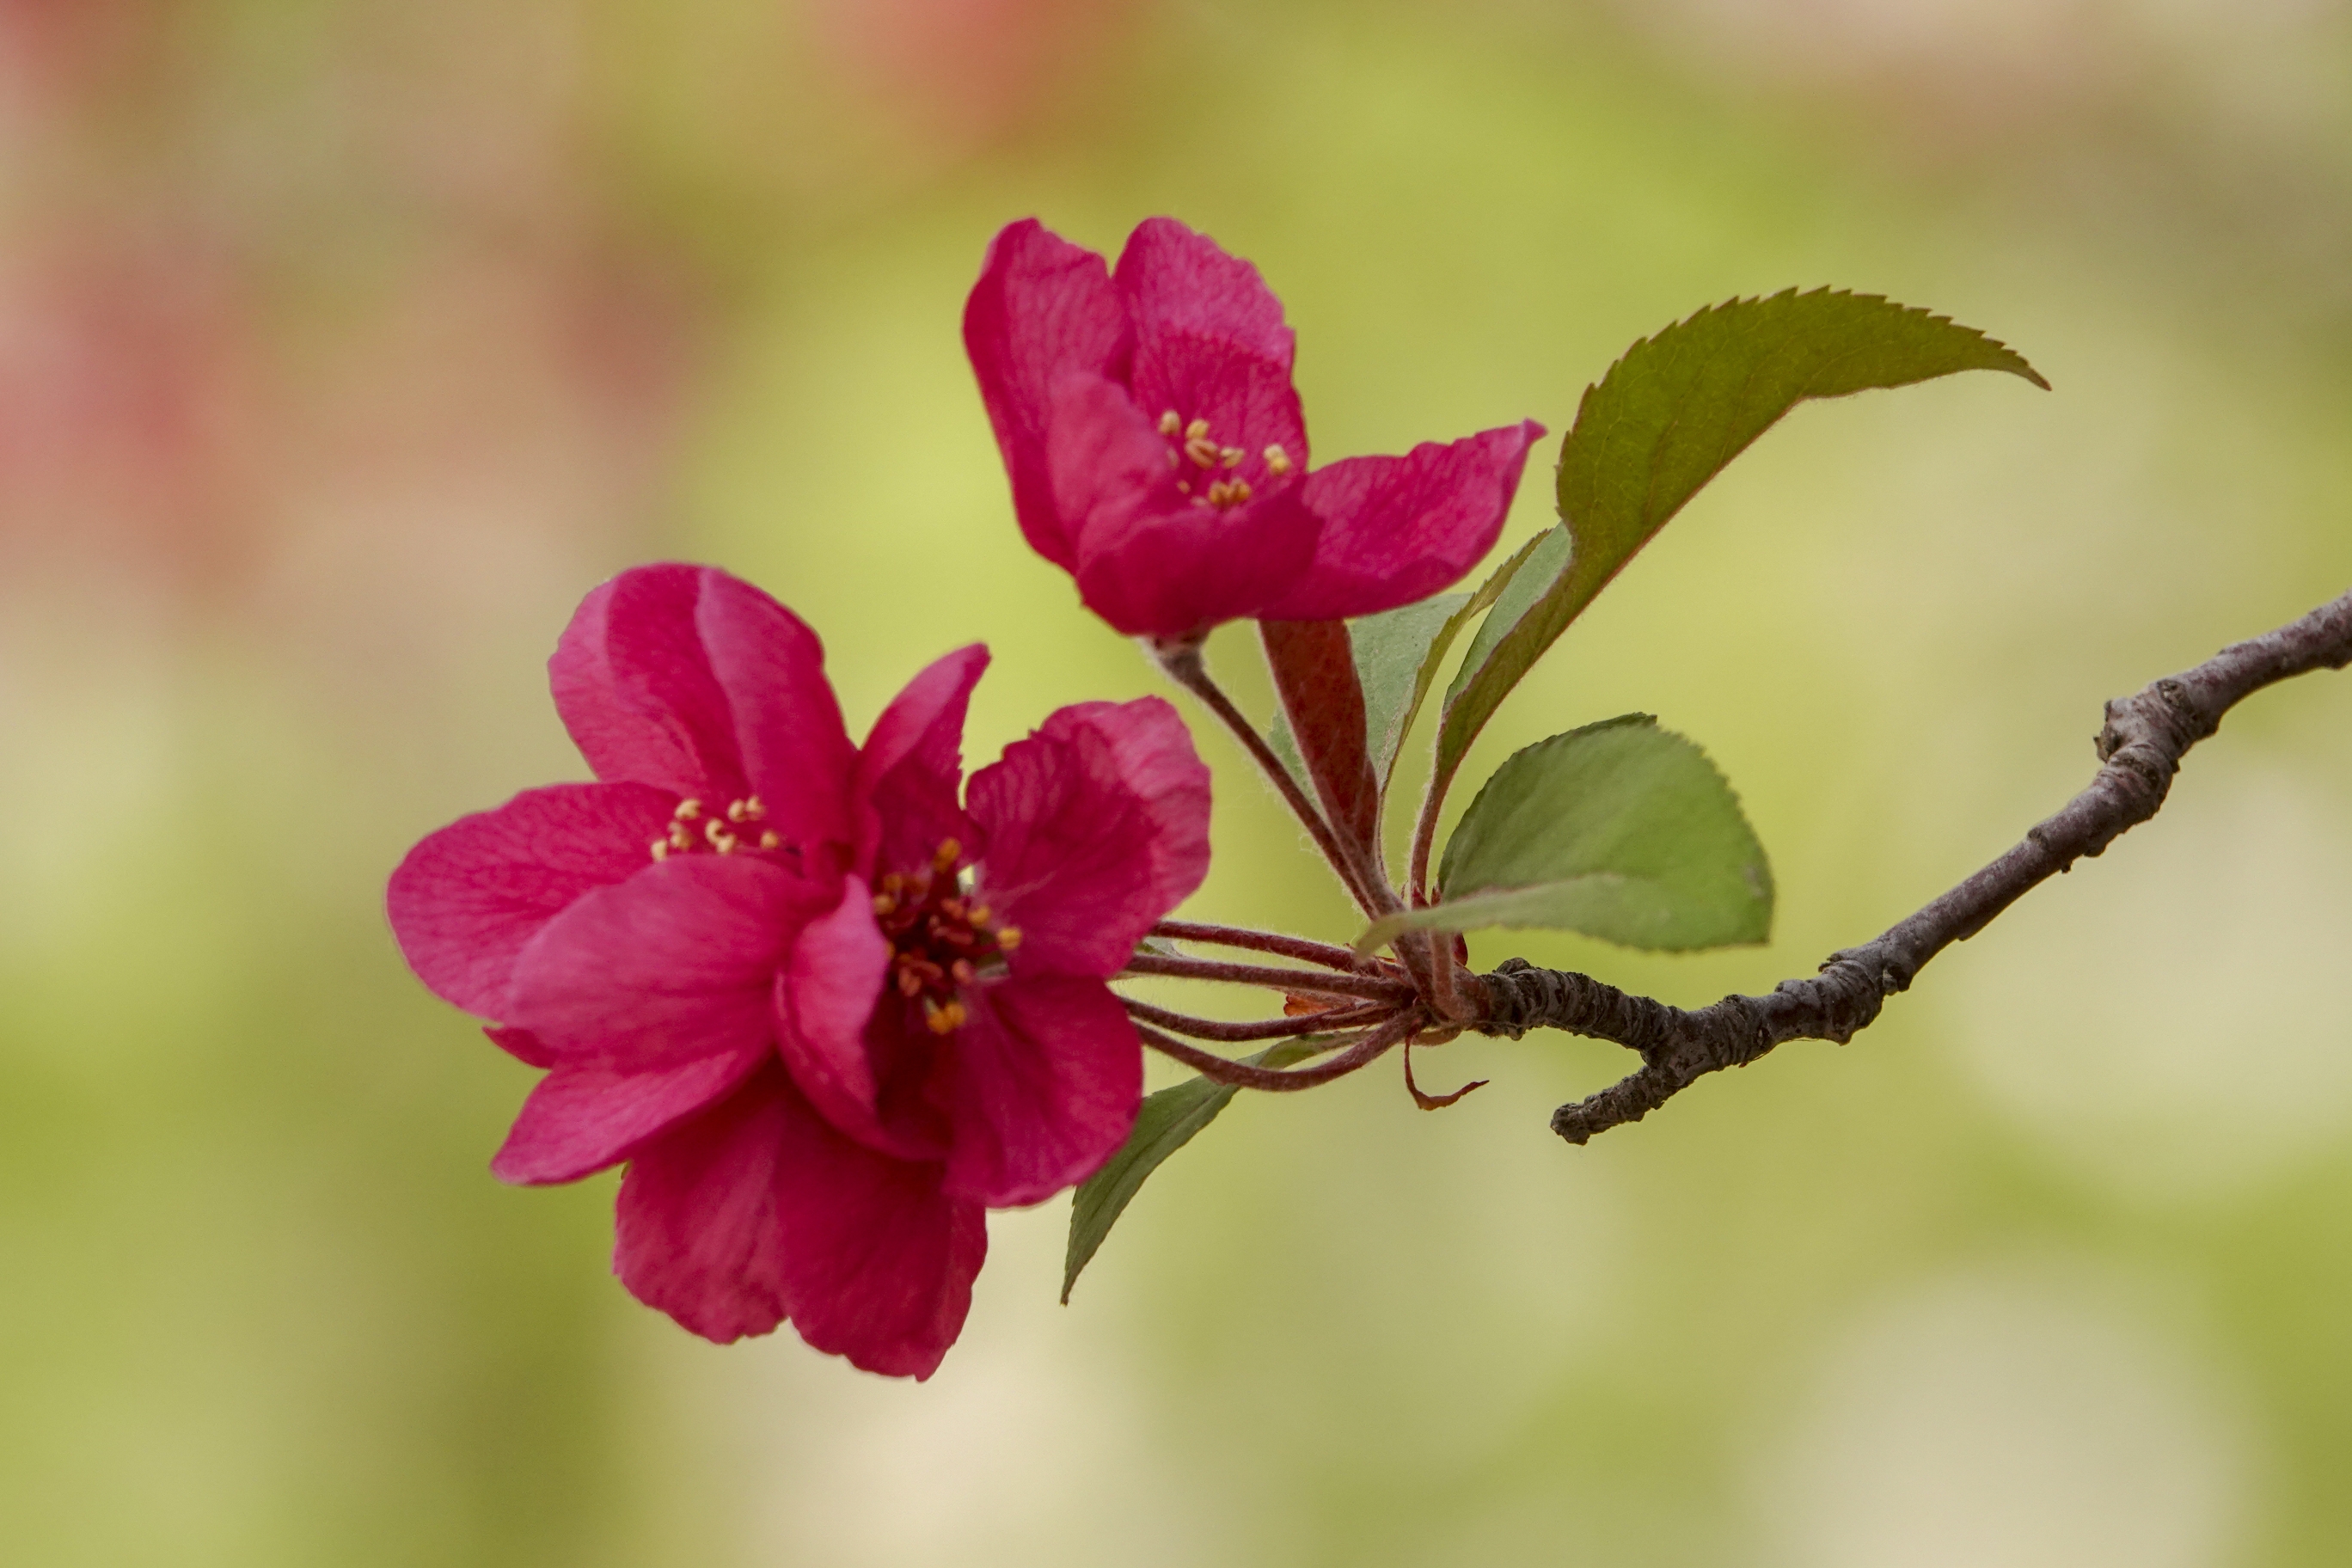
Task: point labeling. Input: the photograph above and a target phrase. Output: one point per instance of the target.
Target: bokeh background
(345, 344)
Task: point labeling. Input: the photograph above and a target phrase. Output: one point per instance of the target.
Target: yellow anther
(1229, 492)
(687, 809)
(660, 846)
(944, 1019)
(769, 840)
(1008, 938)
(950, 851)
(892, 882)
(963, 971)
(720, 839)
(1197, 431)
(883, 903)
(977, 915)
(1278, 460)
(748, 809)
(1231, 455)
(679, 838)
(1169, 424)
(1202, 450)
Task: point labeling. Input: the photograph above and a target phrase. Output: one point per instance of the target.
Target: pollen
(748, 809)
(1278, 460)
(1169, 424)
(769, 840)
(949, 852)
(720, 839)
(1229, 492)
(1231, 455)
(660, 846)
(1007, 938)
(944, 1018)
(687, 809)
(1197, 431)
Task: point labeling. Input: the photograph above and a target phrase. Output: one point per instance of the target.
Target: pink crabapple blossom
(827, 1005)
(1157, 451)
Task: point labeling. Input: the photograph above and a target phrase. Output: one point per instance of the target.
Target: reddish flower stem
(1188, 669)
(1365, 1049)
(1260, 1029)
(1298, 947)
(1295, 982)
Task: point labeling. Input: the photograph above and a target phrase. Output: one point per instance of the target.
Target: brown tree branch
(2139, 747)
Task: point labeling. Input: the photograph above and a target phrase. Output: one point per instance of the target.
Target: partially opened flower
(828, 1004)
(1157, 450)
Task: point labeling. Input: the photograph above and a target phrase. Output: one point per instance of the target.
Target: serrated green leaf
(1540, 564)
(1666, 418)
(1619, 830)
(1164, 1124)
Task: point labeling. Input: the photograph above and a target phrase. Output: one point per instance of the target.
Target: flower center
(694, 829)
(1192, 444)
(939, 941)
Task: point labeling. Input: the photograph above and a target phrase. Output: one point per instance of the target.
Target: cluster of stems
(1349, 1010)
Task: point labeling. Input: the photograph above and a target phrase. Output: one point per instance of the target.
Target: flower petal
(1152, 563)
(696, 681)
(466, 899)
(1097, 825)
(910, 771)
(634, 687)
(1397, 530)
(680, 961)
(824, 998)
(1042, 309)
(1045, 1077)
(580, 1120)
(695, 1230)
(797, 757)
(1174, 280)
(877, 1261)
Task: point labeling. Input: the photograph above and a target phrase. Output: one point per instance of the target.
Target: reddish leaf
(1315, 675)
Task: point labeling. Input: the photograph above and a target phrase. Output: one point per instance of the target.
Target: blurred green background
(345, 344)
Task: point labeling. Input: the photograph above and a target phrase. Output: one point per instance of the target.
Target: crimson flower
(1157, 453)
(829, 1005)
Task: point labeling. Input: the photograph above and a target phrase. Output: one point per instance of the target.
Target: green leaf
(1392, 650)
(1539, 566)
(1164, 1124)
(1666, 418)
(1619, 830)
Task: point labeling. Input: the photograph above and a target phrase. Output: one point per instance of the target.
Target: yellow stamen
(1008, 938)
(979, 914)
(720, 839)
(946, 1019)
(660, 848)
(892, 882)
(1169, 424)
(883, 903)
(679, 838)
(769, 840)
(1202, 451)
(949, 853)
(1231, 455)
(687, 809)
(1278, 460)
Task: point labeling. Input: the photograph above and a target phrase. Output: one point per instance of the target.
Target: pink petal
(634, 687)
(1046, 1076)
(1097, 825)
(522, 1044)
(677, 963)
(1397, 530)
(797, 757)
(695, 1228)
(877, 1261)
(825, 999)
(1152, 752)
(911, 769)
(465, 900)
(1042, 309)
(686, 677)
(1152, 563)
(1176, 280)
(580, 1120)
